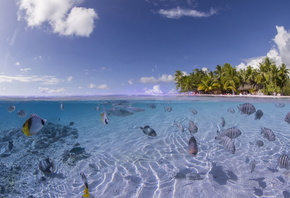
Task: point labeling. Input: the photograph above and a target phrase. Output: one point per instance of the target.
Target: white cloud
(63, 16)
(172, 91)
(154, 91)
(37, 58)
(25, 69)
(17, 63)
(176, 13)
(280, 53)
(163, 78)
(102, 86)
(69, 79)
(49, 91)
(130, 81)
(46, 80)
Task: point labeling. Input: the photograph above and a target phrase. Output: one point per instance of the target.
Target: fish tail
(86, 191)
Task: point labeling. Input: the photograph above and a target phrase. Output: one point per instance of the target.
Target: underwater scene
(145, 147)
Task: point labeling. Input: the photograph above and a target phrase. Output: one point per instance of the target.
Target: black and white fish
(22, 113)
(46, 165)
(192, 127)
(228, 143)
(231, 110)
(259, 143)
(192, 146)
(258, 114)
(287, 118)
(223, 122)
(148, 131)
(104, 118)
(230, 132)
(32, 125)
(247, 108)
(284, 161)
(168, 108)
(193, 111)
(268, 134)
(279, 105)
(11, 108)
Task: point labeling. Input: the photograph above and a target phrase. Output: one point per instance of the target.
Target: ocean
(120, 160)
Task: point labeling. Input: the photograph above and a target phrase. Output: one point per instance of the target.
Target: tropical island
(266, 79)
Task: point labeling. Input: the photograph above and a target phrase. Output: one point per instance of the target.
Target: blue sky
(96, 47)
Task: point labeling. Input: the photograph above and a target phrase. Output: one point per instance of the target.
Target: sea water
(119, 160)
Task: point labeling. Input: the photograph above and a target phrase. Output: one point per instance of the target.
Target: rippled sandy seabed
(119, 160)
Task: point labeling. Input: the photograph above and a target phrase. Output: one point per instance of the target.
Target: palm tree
(178, 77)
(208, 84)
(229, 78)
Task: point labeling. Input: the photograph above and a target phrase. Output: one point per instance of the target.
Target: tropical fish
(268, 134)
(253, 165)
(258, 114)
(11, 108)
(86, 190)
(284, 161)
(168, 108)
(46, 165)
(230, 132)
(259, 143)
(223, 122)
(279, 105)
(152, 106)
(228, 143)
(192, 127)
(148, 131)
(61, 106)
(231, 110)
(247, 108)
(180, 127)
(33, 125)
(287, 118)
(104, 118)
(193, 111)
(192, 146)
(21, 113)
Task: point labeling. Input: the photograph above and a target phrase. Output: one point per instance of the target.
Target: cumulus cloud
(176, 13)
(280, 53)
(50, 91)
(154, 91)
(102, 86)
(163, 78)
(46, 80)
(63, 16)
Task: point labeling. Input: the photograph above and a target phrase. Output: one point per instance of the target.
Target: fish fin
(25, 129)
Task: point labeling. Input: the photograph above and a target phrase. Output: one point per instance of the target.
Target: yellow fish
(32, 125)
(86, 190)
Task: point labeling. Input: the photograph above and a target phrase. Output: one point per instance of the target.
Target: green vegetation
(268, 79)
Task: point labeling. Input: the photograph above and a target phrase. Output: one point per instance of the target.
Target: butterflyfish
(86, 190)
(32, 125)
(104, 118)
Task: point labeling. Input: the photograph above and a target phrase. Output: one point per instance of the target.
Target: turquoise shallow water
(119, 160)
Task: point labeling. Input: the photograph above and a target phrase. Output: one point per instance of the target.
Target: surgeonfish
(268, 134)
(230, 132)
(247, 108)
(11, 108)
(33, 125)
(46, 166)
(284, 161)
(148, 131)
(223, 122)
(86, 190)
(192, 127)
(287, 118)
(192, 146)
(258, 114)
(21, 113)
(231, 110)
(104, 118)
(228, 143)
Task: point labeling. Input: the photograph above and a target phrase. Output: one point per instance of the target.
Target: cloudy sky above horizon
(96, 47)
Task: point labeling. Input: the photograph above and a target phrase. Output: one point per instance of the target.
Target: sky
(112, 47)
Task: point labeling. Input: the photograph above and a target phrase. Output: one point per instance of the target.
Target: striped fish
(284, 161)
(268, 134)
(258, 114)
(46, 165)
(247, 108)
(228, 143)
(223, 122)
(287, 118)
(230, 132)
(192, 127)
